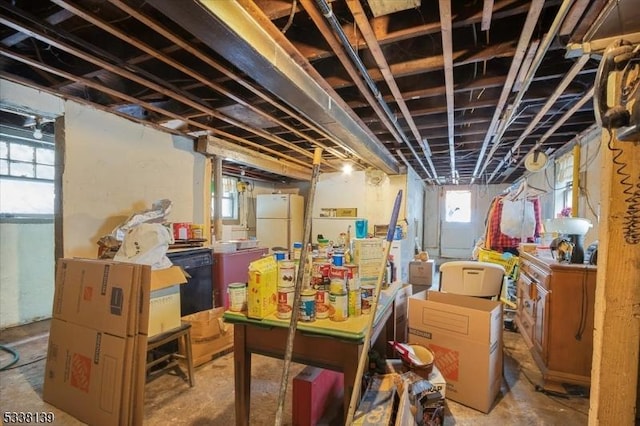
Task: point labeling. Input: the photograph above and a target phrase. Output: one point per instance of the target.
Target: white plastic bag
(146, 244)
(518, 219)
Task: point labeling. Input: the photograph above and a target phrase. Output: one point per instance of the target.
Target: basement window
(458, 206)
(27, 169)
(229, 199)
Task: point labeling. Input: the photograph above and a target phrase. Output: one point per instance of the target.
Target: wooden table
(322, 343)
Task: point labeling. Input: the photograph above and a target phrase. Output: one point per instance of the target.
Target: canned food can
(237, 296)
(322, 304)
(308, 305)
(338, 258)
(352, 270)
(337, 285)
(355, 306)
(286, 273)
(339, 306)
(338, 272)
(320, 267)
(366, 291)
(285, 302)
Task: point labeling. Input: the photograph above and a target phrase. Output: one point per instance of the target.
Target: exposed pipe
(542, 51)
(337, 28)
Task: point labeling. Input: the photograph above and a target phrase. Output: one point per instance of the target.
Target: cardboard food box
(210, 335)
(367, 249)
(262, 288)
(379, 403)
(315, 391)
(346, 212)
(85, 372)
(465, 334)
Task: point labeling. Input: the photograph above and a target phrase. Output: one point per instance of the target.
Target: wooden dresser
(555, 317)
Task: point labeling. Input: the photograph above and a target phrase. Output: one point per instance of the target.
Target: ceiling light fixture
(347, 168)
(37, 128)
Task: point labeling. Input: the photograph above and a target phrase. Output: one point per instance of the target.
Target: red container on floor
(315, 392)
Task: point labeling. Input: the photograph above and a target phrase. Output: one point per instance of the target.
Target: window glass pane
(45, 156)
(4, 149)
(23, 196)
(458, 205)
(44, 172)
(22, 169)
(21, 152)
(227, 208)
(4, 167)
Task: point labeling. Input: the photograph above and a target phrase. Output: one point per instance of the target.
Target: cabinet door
(541, 322)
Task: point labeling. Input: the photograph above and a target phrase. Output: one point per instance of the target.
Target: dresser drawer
(535, 274)
(527, 293)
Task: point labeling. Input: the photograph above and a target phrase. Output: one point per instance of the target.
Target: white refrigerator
(279, 220)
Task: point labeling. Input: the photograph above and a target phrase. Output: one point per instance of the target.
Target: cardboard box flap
(161, 278)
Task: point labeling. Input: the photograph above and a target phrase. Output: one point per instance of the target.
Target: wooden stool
(184, 332)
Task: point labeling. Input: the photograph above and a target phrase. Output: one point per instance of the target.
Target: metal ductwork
(227, 28)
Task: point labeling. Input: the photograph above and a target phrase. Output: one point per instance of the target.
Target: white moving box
(465, 334)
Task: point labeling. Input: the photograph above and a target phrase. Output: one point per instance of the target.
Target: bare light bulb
(37, 132)
(347, 168)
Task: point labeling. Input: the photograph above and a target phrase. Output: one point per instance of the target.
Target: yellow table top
(352, 329)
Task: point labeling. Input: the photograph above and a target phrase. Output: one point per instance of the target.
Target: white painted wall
(113, 168)
(27, 271)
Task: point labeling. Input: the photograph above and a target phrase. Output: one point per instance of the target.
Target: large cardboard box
(85, 372)
(465, 334)
(104, 295)
(114, 297)
(262, 288)
(210, 335)
(315, 390)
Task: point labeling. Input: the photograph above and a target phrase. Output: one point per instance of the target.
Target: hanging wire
(294, 6)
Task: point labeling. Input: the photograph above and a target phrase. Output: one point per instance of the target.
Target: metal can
(286, 273)
(308, 305)
(285, 302)
(355, 306)
(338, 272)
(322, 304)
(237, 296)
(366, 291)
(339, 306)
(337, 285)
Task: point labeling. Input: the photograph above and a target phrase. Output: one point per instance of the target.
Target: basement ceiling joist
(277, 78)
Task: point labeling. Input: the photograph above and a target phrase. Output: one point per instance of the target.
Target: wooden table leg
(350, 369)
(242, 371)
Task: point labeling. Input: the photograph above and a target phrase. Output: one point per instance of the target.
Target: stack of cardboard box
(102, 314)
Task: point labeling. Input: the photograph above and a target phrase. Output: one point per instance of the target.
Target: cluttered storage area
(311, 212)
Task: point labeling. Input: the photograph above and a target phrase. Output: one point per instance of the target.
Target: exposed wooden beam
(221, 148)
(561, 87)
(434, 63)
(487, 10)
(525, 36)
(447, 54)
(151, 107)
(558, 123)
(376, 51)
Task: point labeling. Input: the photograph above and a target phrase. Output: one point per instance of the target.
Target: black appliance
(577, 254)
(197, 294)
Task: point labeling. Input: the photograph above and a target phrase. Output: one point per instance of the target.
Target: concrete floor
(169, 400)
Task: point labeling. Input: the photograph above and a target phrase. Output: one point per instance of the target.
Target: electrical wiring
(12, 352)
(535, 386)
